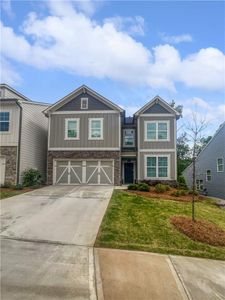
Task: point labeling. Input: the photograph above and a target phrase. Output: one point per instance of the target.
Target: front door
(128, 172)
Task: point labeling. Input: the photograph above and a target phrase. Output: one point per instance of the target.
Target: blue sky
(128, 51)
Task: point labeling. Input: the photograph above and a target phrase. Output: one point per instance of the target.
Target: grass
(9, 192)
(136, 223)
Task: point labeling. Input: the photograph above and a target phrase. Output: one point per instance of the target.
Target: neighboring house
(210, 169)
(90, 141)
(23, 135)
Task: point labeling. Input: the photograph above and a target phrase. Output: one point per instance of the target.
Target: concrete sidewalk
(135, 275)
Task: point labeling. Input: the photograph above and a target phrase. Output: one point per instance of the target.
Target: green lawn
(6, 193)
(137, 223)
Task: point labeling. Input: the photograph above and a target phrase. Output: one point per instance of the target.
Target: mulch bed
(201, 231)
(167, 196)
(24, 190)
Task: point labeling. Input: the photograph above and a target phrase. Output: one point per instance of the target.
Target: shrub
(144, 187)
(31, 177)
(195, 193)
(18, 187)
(132, 186)
(176, 193)
(161, 188)
(6, 185)
(182, 183)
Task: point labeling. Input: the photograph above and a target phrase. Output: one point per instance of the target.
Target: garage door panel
(84, 172)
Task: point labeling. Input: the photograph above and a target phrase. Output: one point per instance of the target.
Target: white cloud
(131, 25)
(7, 7)
(8, 74)
(176, 39)
(72, 41)
(200, 103)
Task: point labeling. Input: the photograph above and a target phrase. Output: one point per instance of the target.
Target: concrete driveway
(46, 242)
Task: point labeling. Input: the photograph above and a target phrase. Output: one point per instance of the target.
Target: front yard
(9, 192)
(137, 223)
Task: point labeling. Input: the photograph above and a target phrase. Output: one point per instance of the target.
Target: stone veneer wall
(10, 153)
(84, 155)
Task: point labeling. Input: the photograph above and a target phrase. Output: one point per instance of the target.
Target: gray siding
(111, 129)
(93, 104)
(156, 109)
(33, 138)
(9, 94)
(11, 138)
(171, 167)
(162, 144)
(207, 160)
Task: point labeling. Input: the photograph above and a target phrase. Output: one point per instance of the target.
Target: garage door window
(72, 129)
(95, 129)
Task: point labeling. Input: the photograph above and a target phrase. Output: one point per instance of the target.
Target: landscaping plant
(31, 177)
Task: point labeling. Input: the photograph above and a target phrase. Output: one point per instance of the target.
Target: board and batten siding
(111, 131)
(157, 144)
(11, 137)
(172, 168)
(33, 138)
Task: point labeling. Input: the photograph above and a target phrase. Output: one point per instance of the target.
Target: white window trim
(66, 129)
(128, 146)
(82, 102)
(168, 167)
(217, 165)
(157, 124)
(89, 128)
(208, 175)
(198, 185)
(6, 132)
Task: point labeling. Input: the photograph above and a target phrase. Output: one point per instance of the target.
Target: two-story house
(23, 135)
(90, 141)
(210, 169)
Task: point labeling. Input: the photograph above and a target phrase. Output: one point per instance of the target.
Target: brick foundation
(84, 155)
(10, 154)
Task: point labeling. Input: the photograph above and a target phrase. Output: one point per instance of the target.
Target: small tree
(195, 129)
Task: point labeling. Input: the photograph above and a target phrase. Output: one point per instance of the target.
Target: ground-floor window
(208, 175)
(157, 166)
(199, 184)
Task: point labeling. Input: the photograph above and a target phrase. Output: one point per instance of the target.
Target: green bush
(144, 187)
(161, 188)
(31, 177)
(196, 193)
(6, 185)
(132, 186)
(176, 193)
(182, 183)
(179, 193)
(18, 187)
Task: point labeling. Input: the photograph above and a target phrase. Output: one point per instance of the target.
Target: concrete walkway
(47, 239)
(135, 275)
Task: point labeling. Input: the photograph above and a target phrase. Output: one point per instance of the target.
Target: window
(128, 137)
(95, 129)
(208, 175)
(156, 131)
(220, 165)
(199, 184)
(84, 103)
(72, 129)
(4, 121)
(157, 167)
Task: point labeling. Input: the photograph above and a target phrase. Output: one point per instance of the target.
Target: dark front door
(128, 172)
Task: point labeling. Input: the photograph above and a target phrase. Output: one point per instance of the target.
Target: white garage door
(83, 172)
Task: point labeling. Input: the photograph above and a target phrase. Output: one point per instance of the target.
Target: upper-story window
(72, 129)
(128, 138)
(4, 121)
(220, 164)
(157, 131)
(84, 103)
(95, 129)
(208, 175)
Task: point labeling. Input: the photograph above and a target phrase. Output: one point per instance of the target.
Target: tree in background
(183, 153)
(194, 129)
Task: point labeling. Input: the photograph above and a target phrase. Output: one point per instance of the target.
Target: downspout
(19, 143)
